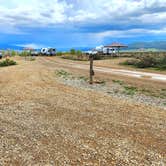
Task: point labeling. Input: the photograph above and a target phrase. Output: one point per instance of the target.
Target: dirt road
(44, 122)
(123, 72)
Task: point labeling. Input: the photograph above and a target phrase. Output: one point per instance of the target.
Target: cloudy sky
(81, 23)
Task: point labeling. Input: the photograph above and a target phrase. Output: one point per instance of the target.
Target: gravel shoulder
(116, 90)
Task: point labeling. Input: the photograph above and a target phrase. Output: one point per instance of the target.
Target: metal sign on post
(91, 57)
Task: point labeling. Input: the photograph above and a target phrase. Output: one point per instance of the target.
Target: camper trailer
(109, 51)
(101, 50)
(48, 51)
(44, 51)
(0, 55)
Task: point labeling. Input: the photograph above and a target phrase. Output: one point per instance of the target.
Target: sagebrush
(7, 62)
(148, 61)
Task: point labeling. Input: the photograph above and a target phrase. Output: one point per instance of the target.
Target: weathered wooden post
(118, 51)
(91, 57)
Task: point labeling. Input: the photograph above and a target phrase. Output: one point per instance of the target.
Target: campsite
(51, 115)
(83, 83)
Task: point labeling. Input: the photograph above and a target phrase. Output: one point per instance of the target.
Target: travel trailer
(109, 51)
(48, 51)
(102, 51)
(44, 51)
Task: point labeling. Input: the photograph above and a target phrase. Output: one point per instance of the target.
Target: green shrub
(13, 53)
(7, 62)
(25, 53)
(147, 61)
(81, 57)
(32, 59)
(78, 52)
(62, 73)
(97, 57)
(130, 90)
(130, 62)
(162, 63)
(118, 82)
(59, 53)
(72, 51)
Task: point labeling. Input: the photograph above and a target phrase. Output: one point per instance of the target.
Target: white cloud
(31, 13)
(117, 10)
(153, 18)
(42, 13)
(129, 33)
(31, 45)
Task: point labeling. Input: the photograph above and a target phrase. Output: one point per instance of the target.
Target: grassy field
(43, 121)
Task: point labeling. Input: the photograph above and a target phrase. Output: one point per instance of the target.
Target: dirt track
(109, 70)
(45, 122)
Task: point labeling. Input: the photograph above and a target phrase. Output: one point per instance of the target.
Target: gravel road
(123, 72)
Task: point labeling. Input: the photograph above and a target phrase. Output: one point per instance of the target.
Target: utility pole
(91, 57)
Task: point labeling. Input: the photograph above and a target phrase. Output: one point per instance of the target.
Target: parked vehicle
(101, 50)
(44, 51)
(35, 53)
(48, 51)
(0, 55)
(108, 51)
(92, 52)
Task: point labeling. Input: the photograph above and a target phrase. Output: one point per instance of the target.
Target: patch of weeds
(118, 82)
(145, 91)
(163, 94)
(83, 78)
(116, 91)
(63, 74)
(102, 82)
(7, 62)
(130, 90)
(159, 93)
(32, 59)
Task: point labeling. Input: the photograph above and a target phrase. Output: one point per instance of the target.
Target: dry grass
(45, 122)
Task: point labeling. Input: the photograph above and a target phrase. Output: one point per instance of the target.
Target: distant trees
(9, 52)
(75, 52)
(59, 53)
(79, 52)
(72, 51)
(25, 53)
(75, 55)
(13, 53)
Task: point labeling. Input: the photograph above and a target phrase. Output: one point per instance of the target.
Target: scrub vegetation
(7, 62)
(148, 61)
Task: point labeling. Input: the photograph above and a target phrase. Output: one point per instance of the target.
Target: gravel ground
(115, 90)
(46, 122)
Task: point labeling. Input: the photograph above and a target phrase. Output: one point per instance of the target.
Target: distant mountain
(161, 45)
(13, 47)
(154, 45)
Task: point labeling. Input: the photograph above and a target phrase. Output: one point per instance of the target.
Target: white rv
(0, 55)
(48, 51)
(105, 50)
(109, 51)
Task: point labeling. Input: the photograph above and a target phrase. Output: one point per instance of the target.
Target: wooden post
(118, 51)
(91, 69)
